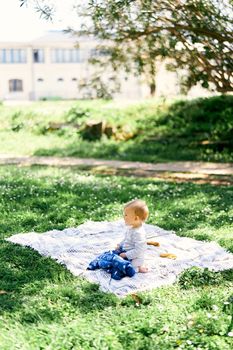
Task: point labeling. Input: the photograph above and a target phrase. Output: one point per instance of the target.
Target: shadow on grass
(20, 267)
(24, 273)
(140, 149)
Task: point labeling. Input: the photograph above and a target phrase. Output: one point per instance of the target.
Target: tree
(196, 35)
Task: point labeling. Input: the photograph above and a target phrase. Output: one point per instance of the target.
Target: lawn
(42, 306)
(154, 130)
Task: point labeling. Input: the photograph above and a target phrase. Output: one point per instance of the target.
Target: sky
(24, 23)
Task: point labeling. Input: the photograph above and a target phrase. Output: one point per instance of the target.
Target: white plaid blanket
(76, 247)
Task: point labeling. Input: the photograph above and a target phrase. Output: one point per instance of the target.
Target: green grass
(46, 307)
(161, 130)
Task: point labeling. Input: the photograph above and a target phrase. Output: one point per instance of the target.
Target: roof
(51, 37)
(57, 36)
(54, 36)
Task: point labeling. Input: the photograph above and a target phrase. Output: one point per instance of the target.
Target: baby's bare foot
(143, 269)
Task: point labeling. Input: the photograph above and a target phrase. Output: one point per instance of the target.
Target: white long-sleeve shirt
(134, 243)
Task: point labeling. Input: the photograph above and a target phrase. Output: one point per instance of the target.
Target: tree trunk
(152, 88)
(152, 77)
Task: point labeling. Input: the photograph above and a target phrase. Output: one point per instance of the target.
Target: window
(2, 56)
(74, 79)
(38, 56)
(12, 56)
(75, 55)
(66, 56)
(93, 53)
(15, 85)
(99, 52)
(40, 80)
(60, 79)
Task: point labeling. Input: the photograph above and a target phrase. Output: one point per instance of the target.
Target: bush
(197, 277)
(204, 117)
(75, 114)
(16, 121)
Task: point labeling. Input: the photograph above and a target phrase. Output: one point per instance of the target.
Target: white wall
(50, 72)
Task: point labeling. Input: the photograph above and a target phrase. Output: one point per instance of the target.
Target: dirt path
(178, 167)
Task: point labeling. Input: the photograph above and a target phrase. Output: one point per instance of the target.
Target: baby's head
(135, 213)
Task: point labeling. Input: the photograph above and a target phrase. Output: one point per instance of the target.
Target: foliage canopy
(196, 35)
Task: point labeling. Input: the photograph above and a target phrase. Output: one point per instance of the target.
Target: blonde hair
(140, 208)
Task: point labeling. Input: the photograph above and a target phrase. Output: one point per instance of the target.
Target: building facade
(52, 67)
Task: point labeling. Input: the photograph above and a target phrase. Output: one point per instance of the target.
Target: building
(52, 67)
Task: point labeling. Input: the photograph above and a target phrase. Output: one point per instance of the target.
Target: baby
(134, 244)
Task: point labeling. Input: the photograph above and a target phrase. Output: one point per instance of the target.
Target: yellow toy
(168, 255)
(163, 255)
(156, 244)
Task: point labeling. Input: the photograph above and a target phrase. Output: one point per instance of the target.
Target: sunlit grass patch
(158, 130)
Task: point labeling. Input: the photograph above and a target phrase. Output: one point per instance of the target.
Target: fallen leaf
(136, 298)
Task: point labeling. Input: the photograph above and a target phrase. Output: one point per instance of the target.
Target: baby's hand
(117, 246)
(123, 255)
